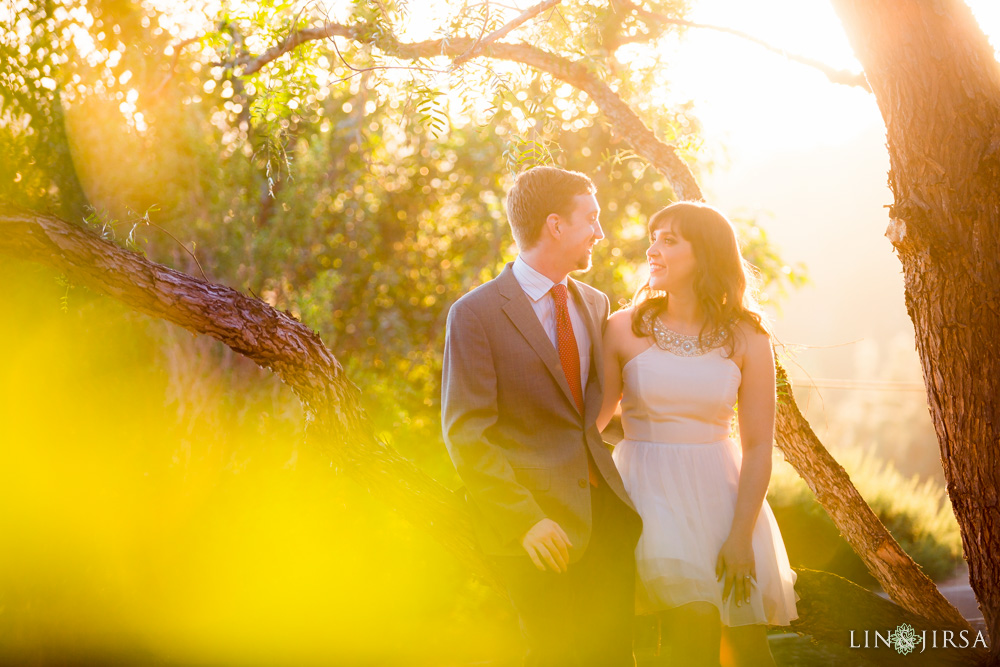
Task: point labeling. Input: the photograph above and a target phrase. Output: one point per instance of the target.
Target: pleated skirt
(686, 496)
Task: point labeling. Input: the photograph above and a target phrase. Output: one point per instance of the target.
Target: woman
(710, 560)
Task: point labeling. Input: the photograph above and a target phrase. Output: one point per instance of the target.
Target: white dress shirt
(537, 287)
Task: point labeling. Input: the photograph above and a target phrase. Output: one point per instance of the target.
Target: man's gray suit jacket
(510, 422)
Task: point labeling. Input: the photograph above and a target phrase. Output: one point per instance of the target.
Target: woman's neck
(683, 312)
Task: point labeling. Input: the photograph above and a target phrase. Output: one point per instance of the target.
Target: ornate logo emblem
(904, 639)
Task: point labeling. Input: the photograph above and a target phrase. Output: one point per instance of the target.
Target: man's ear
(553, 223)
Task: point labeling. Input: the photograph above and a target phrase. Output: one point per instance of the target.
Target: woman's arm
(612, 365)
(756, 421)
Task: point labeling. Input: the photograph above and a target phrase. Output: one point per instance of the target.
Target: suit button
(582, 483)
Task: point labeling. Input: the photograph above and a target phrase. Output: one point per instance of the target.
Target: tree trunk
(73, 201)
(937, 83)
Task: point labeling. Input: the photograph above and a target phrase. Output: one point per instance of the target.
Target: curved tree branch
(894, 569)
(527, 15)
(253, 64)
(272, 339)
(626, 122)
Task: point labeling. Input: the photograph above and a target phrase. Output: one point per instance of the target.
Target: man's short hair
(539, 192)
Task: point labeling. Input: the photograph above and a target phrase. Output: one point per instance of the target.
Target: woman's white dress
(681, 469)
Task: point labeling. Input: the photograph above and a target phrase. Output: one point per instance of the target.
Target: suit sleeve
(468, 411)
(605, 312)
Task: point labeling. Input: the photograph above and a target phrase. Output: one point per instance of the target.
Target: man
(521, 393)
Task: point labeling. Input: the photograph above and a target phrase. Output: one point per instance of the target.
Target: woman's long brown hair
(724, 285)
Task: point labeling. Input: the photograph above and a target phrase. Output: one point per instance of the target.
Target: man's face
(579, 231)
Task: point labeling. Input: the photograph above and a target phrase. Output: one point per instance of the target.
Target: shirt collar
(534, 284)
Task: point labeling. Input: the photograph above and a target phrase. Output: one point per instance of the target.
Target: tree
(366, 45)
(33, 89)
(937, 83)
(579, 46)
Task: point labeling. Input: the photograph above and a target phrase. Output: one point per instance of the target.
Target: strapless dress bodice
(675, 399)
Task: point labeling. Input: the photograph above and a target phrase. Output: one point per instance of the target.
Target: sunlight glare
(753, 102)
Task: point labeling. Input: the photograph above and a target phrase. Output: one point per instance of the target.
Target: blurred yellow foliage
(159, 503)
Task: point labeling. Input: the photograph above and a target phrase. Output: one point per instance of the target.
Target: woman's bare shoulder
(622, 315)
(618, 328)
(620, 323)
(751, 339)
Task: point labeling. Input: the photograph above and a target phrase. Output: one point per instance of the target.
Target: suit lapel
(589, 307)
(522, 315)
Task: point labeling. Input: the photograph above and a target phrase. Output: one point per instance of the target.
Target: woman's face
(671, 260)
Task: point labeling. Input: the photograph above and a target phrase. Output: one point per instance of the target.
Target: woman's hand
(735, 566)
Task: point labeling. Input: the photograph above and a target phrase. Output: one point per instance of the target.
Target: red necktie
(569, 357)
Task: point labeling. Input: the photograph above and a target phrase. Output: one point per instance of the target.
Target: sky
(755, 101)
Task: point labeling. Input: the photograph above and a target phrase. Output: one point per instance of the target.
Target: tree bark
(937, 83)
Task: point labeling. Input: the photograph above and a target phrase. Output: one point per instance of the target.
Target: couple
(675, 522)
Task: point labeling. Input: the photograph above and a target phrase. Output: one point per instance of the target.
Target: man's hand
(547, 544)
